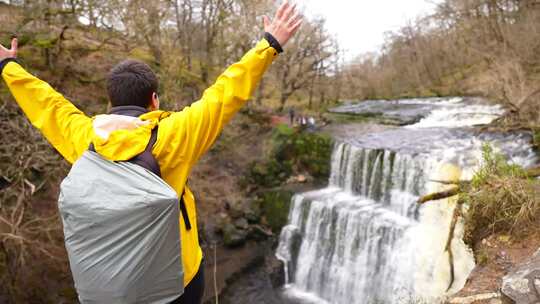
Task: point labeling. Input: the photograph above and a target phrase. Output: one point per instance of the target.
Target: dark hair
(131, 83)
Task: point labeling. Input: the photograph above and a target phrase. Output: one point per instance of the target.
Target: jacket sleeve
(64, 126)
(185, 136)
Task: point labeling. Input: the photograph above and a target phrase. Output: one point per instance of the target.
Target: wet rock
(222, 220)
(233, 237)
(259, 233)
(253, 216)
(299, 179)
(523, 283)
(241, 223)
(236, 210)
(391, 112)
(276, 271)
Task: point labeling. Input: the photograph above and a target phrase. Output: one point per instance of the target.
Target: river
(363, 238)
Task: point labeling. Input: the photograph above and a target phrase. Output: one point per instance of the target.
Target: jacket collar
(133, 111)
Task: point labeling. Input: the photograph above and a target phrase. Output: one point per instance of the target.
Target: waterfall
(364, 239)
(351, 236)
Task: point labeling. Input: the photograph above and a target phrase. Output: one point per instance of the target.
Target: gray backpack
(121, 230)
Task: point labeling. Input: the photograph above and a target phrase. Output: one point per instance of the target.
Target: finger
(294, 19)
(267, 22)
(296, 26)
(14, 44)
(289, 12)
(282, 9)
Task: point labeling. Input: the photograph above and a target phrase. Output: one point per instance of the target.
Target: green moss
(482, 257)
(536, 137)
(143, 55)
(45, 43)
(348, 118)
(275, 207)
(293, 152)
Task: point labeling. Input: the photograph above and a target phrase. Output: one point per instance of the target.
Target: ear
(154, 105)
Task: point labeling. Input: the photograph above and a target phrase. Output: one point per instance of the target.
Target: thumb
(267, 22)
(14, 45)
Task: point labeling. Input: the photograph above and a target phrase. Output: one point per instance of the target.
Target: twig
(215, 275)
(448, 247)
(439, 195)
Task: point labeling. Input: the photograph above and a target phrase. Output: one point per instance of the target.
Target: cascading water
(364, 239)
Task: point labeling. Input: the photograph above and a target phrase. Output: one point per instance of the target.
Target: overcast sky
(360, 24)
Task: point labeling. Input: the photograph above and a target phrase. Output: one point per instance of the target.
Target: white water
(456, 113)
(363, 239)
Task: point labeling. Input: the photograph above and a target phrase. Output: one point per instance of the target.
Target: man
(182, 137)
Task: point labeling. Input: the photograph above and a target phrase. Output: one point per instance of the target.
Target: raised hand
(11, 53)
(285, 23)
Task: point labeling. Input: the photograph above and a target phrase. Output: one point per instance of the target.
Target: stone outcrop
(522, 285)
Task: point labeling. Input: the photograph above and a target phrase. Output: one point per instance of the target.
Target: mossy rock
(234, 237)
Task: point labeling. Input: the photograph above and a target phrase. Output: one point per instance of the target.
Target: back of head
(131, 83)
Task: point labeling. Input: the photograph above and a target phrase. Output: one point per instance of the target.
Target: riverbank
(497, 255)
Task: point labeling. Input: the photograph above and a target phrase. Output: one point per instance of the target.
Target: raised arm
(186, 135)
(64, 126)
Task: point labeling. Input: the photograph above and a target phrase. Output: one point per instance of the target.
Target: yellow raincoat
(183, 137)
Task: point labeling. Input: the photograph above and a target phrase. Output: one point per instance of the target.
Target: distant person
(181, 137)
(291, 115)
(311, 123)
(303, 121)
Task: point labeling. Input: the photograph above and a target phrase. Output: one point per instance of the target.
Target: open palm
(11, 53)
(285, 23)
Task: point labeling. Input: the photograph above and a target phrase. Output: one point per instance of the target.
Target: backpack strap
(146, 159)
(183, 209)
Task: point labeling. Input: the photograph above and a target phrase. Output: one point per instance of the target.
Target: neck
(134, 111)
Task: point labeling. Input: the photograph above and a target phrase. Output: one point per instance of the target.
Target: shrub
(275, 206)
(293, 152)
(500, 199)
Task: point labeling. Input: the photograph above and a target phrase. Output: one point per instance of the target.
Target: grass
(536, 138)
(500, 199)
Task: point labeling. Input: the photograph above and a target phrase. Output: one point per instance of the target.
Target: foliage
(536, 137)
(495, 164)
(293, 151)
(30, 235)
(275, 206)
(501, 199)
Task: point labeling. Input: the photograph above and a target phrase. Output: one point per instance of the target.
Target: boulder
(253, 212)
(259, 233)
(522, 285)
(222, 220)
(253, 216)
(236, 210)
(241, 223)
(275, 270)
(233, 237)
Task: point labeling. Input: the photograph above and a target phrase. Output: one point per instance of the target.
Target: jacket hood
(125, 132)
